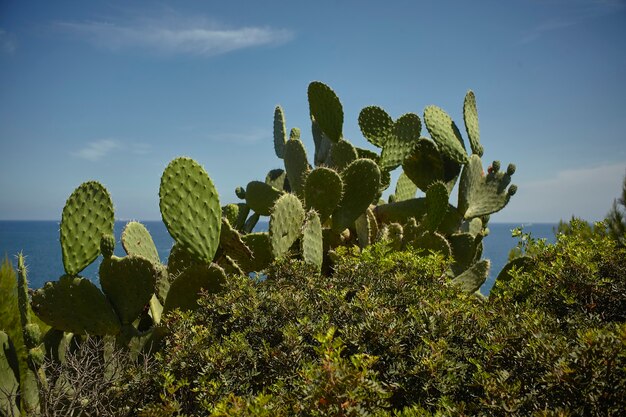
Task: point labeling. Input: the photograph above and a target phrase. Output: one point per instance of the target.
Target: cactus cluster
(344, 184)
(312, 209)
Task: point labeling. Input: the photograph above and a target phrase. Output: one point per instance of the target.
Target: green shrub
(386, 334)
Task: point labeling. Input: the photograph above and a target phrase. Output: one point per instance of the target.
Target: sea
(39, 242)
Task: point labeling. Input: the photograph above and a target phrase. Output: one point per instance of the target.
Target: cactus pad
(424, 164)
(405, 188)
(185, 290)
(232, 245)
(312, 243)
(179, 260)
(326, 109)
(136, 240)
(74, 304)
(261, 197)
(436, 205)
(280, 132)
(470, 117)
(376, 125)
(9, 377)
(87, 215)
(296, 165)
(129, 284)
(361, 181)
(432, 241)
(481, 194)
(231, 213)
(445, 134)
(472, 279)
(342, 154)
(190, 207)
(322, 144)
(322, 191)
(277, 178)
(259, 244)
(285, 223)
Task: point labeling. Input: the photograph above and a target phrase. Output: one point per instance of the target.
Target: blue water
(39, 241)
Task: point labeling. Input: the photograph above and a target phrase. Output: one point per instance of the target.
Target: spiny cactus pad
(322, 144)
(312, 244)
(361, 181)
(471, 280)
(481, 194)
(74, 304)
(190, 207)
(405, 188)
(436, 205)
(231, 213)
(179, 260)
(464, 247)
(296, 165)
(261, 197)
(326, 109)
(470, 117)
(396, 138)
(280, 132)
(87, 215)
(285, 223)
(129, 284)
(322, 191)
(185, 290)
(277, 178)
(259, 244)
(232, 245)
(432, 241)
(424, 164)
(342, 154)
(445, 134)
(136, 240)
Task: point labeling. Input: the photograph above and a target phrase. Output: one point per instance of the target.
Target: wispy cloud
(240, 137)
(574, 12)
(8, 43)
(97, 150)
(173, 34)
(584, 192)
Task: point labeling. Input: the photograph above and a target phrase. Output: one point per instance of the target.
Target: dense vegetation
(359, 306)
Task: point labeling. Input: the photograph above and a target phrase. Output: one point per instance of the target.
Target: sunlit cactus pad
(87, 215)
(190, 207)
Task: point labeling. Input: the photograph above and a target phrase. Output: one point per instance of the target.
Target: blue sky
(112, 91)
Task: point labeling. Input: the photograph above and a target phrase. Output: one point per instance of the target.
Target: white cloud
(8, 44)
(175, 35)
(586, 192)
(96, 150)
(241, 137)
(574, 12)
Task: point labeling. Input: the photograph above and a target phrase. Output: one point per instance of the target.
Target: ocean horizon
(38, 240)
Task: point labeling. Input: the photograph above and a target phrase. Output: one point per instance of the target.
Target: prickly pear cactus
(397, 139)
(342, 154)
(361, 181)
(285, 223)
(470, 117)
(312, 240)
(129, 284)
(481, 194)
(405, 188)
(296, 165)
(74, 304)
(137, 241)
(87, 215)
(326, 109)
(322, 191)
(185, 290)
(261, 197)
(9, 378)
(471, 280)
(445, 134)
(190, 207)
(280, 132)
